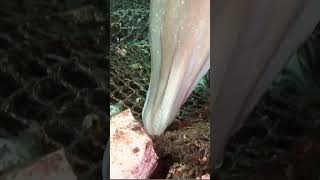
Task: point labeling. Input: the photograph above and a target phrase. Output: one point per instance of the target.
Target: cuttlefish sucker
(180, 53)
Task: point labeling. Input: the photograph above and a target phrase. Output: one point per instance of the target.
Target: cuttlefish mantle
(180, 53)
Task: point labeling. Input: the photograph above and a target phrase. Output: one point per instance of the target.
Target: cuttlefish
(251, 42)
(180, 56)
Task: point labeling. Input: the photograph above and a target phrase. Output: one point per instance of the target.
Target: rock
(206, 176)
(18, 149)
(50, 167)
(131, 149)
(116, 108)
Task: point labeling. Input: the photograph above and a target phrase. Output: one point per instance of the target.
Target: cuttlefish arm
(180, 53)
(252, 41)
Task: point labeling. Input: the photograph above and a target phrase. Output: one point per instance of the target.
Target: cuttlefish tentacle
(180, 50)
(252, 41)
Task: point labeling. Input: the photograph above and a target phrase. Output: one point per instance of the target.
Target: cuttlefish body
(180, 50)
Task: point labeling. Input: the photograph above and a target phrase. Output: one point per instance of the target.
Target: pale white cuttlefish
(180, 53)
